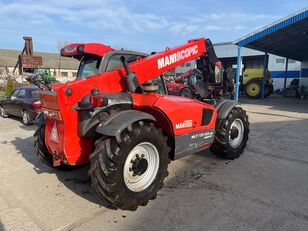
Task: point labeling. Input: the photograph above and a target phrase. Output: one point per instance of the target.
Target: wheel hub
(140, 165)
(234, 132)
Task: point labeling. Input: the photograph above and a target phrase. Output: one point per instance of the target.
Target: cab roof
(78, 50)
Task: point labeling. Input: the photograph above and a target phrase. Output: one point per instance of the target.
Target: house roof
(9, 58)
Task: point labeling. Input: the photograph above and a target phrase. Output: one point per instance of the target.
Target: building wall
(304, 75)
(62, 75)
(254, 59)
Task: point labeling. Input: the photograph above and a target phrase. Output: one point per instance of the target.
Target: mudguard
(88, 121)
(118, 122)
(223, 108)
(40, 120)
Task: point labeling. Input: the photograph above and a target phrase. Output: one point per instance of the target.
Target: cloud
(54, 20)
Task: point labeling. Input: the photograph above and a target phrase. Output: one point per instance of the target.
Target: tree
(9, 87)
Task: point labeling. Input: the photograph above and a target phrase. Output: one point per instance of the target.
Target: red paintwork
(168, 110)
(71, 50)
(175, 87)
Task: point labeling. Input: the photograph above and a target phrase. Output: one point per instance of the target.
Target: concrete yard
(265, 189)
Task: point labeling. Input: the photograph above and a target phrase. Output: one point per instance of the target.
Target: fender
(88, 121)
(224, 106)
(119, 121)
(40, 119)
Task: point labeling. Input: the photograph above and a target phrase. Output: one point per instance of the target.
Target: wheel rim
(253, 89)
(141, 167)
(25, 118)
(236, 133)
(2, 112)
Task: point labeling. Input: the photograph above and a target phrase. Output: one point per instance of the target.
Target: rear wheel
(253, 89)
(269, 89)
(128, 170)
(231, 135)
(25, 118)
(40, 146)
(187, 92)
(3, 113)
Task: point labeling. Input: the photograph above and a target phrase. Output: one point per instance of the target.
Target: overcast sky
(131, 24)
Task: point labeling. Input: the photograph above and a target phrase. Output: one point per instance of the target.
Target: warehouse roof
(287, 37)
(8, 58)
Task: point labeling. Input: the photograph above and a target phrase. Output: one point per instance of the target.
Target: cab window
(161, 85)
(89, 66)
(115, 61)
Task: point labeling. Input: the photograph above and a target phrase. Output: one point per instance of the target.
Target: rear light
(54, 133)
(37, 104)
(98, 100)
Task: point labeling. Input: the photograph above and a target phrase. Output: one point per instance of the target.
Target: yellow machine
(252, 83)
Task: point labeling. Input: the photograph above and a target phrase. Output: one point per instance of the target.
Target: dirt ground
(265, 189)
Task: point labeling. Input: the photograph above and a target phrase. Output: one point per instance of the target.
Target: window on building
(74, 74)
(188, 64)
(280, 60)
(54, 73)
(291, 61)
(64, 73)
(182, 65)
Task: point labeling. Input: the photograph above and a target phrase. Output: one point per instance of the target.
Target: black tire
(187, 92)
(269, 89)
(43, 153)
(222, 143)
(25, 118)
(40, 146)
(254, 85)
(108, 160)
(3, 113)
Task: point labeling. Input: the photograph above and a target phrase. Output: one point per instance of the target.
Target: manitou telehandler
(118, 116)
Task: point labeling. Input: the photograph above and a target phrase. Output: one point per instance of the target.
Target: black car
(24, 102)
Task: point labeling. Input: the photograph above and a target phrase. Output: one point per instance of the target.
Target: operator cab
(98, 58)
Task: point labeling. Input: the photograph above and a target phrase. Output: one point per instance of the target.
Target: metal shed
(287, 37)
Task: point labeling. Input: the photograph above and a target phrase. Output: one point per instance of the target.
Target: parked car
(24, 102)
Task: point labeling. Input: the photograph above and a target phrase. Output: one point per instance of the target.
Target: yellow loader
(251, 83)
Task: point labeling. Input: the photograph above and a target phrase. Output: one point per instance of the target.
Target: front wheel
(231, 135)
(187, 92)
(252, 89)
(128, 170)
(269, 89)
(3, 112)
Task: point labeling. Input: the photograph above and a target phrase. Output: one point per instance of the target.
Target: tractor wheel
(269, 89)
(43, 153)
(40, 146)
(253, 89)
(231, 135)
(129, 169)
(3, 113)
(187, 92)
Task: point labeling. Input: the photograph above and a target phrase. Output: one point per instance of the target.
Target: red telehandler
(118, 116)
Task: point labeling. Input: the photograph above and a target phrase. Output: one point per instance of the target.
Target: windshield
(89, 66)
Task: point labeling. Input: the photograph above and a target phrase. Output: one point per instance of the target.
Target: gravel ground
(265, 189)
